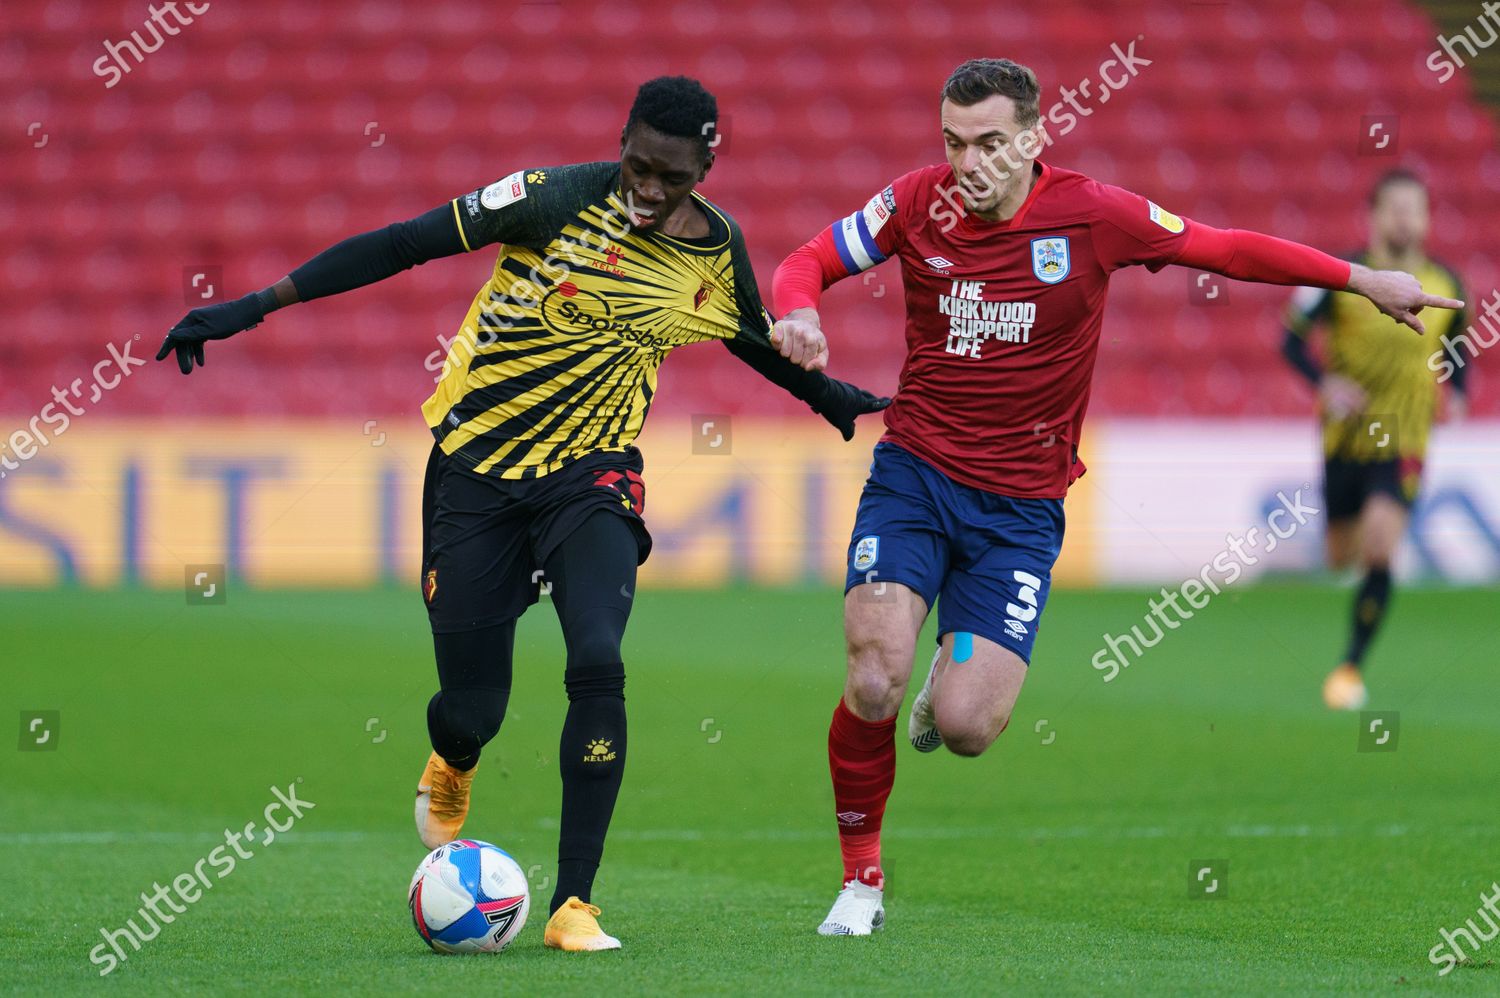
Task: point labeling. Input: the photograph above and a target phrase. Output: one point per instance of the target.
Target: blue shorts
(985, 559)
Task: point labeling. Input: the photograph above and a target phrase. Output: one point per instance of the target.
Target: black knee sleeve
(461, 721)
(593, 575)
(594, 644)
(595, 681)
(474, 668)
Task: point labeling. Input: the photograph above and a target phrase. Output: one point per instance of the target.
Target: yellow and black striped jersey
(1386, 359)
(558, 355)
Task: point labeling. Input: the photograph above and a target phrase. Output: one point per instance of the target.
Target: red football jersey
(1003, 318)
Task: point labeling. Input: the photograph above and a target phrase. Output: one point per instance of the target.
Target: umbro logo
(938, 264)
(850, 818)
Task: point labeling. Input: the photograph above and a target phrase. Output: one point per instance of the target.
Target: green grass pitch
(1059, 862)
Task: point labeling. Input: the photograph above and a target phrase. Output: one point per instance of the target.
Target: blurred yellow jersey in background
(1388, 360)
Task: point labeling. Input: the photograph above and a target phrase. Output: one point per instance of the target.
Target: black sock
(591, 755)
(1369, 609)
(575, 879)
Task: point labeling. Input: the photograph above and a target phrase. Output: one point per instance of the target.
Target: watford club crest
(701, 297)
(429, 585)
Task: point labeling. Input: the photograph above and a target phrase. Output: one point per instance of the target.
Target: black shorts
(1347, 484)
(485, 539)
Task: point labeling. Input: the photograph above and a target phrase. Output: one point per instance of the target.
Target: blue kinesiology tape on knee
(963, 646)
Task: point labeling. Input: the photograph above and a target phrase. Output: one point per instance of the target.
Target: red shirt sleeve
(1254, 256)
(802, 277)
(1128, 230)
(853, 244)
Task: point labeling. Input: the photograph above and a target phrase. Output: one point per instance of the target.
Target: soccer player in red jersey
(1006, 264)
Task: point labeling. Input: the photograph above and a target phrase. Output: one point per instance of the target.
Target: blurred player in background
(1377, 397)
(534, 479)
(1006, 264)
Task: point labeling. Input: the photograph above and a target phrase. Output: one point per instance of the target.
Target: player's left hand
(845, 403)
(1397, 294)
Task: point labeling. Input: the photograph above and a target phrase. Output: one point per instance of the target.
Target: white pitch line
(1066, 832)
(162, 838)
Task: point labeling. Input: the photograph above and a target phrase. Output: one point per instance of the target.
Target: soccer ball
(468, 897)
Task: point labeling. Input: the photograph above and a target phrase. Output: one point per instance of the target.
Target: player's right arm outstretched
(495, 214)
(355, 262)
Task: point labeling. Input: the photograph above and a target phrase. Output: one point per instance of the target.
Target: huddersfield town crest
(1049, 259)
(866, 552)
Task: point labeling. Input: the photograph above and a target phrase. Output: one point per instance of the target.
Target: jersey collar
(1044, 174)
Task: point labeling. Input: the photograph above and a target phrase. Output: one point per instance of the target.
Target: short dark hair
(677, 105)
(1390, 178)
(977, 79)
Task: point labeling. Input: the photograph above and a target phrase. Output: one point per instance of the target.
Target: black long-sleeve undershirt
(378, 254)
(811, 387)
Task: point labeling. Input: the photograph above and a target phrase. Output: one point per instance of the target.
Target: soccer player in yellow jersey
(1377, 395)
(604, 268)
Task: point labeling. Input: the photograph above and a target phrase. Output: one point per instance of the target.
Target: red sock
(862, 761)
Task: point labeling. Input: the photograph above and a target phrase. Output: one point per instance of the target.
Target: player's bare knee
(878, 670)
(1377, 550)
(968, 742)
(970, 736)
(872, 692)
(970, 748)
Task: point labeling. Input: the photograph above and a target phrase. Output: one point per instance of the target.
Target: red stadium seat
(266, 133)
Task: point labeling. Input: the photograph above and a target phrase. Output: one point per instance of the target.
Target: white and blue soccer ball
(468, 897)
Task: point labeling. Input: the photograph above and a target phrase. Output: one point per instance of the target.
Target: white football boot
(857, 911)
(921, 723)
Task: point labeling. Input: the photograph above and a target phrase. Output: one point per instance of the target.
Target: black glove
(211, 322)
(842, 403)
